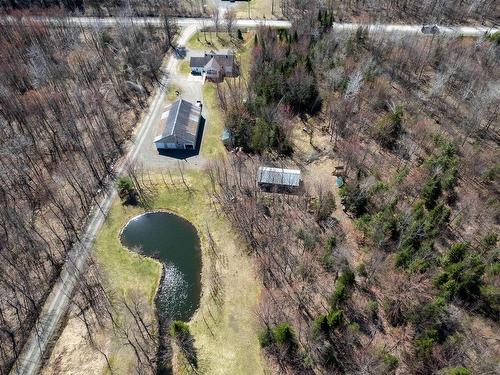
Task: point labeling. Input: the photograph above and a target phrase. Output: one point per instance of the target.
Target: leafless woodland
(69, 99)
(415, 122)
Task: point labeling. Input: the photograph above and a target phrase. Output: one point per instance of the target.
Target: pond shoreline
(164, 353)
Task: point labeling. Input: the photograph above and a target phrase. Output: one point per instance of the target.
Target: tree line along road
(464, 30)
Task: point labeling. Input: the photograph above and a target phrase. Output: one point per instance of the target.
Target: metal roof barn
(278, 176)
(180, 126)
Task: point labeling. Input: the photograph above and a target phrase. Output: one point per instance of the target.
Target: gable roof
(181, 125)
(212, 65)
(197, 61)
(278, 176)
(224, 57)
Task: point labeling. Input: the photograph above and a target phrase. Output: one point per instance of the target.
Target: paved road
(59, 299)
(205, 22)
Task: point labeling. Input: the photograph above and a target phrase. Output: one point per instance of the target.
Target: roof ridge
(176, 115)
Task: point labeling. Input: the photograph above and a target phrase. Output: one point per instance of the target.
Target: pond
(174, 242)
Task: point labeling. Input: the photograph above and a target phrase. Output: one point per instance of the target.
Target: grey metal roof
(181, 125)
(278, 176)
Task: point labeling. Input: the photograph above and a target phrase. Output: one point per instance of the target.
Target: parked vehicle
(430, 29)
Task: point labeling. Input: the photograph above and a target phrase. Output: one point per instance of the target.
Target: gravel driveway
(191, 89)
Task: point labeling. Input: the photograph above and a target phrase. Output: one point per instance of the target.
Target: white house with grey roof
(180, 125)
(214, 64)
(279, 178)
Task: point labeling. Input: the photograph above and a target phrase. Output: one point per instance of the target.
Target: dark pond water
(174, 241)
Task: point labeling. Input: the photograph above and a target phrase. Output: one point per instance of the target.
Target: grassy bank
(225, 335)
(212, 145)
(210, 40)
(259, 9)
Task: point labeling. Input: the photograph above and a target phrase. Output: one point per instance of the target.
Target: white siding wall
(164, 146)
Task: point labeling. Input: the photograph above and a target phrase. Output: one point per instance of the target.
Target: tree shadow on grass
(185, 341)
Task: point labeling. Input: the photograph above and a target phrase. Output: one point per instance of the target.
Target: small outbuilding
(181, 124)
(278, 178)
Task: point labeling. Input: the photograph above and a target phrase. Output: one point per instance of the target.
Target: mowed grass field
(259, 9)
(206, 40)
(226, 335)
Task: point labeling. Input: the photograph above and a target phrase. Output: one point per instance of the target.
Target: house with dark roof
(180, 125)
(214, 65)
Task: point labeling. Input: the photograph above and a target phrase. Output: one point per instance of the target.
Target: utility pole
(249, 9)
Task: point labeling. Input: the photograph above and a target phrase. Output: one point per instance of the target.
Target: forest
(68, 102)
(408, 11)
(398, 271)
(106, 7)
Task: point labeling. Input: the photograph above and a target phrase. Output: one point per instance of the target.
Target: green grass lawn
(171, 95)
(230, 345)
(125, 273)
(212, 146)
(184, 68)
(259, 9)
(209, 40)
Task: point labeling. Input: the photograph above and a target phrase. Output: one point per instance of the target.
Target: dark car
(430, 29)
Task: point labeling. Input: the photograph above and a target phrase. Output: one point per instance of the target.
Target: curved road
(59, 299)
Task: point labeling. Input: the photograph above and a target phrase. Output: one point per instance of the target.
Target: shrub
(424, 344)
(320, 324)
(443, 164)
(490, 240)
(389, 127)
(372, 308)
(325, 206)
(495, 37)
(265, 338)
(361, 270)
(462, 275)
(327, 259)
(283, 334)
(335, 318)
(331, 243)
(126, 190)
(179, 329)
(492, 173)
(308, 239)
(457, 253)
(339, 294)
(431, 193)
(323, 323)
(457, 371)
(389, 360)
(354, 199)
